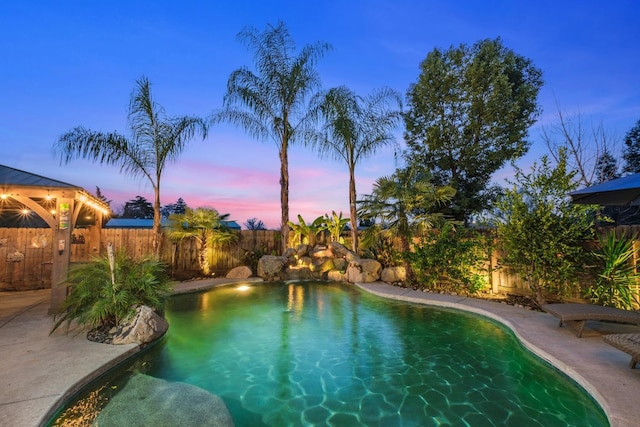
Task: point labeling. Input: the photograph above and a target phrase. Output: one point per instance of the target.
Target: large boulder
(298, 273)
(145, 326)
(393, 274)
(270, 267)
(339, 249)
(242, 272)
(320, 251)
(336, 276)
(323, 267)
(340, 264)
(148, 401)
(302, 250)
(363, 271)
(290, 252)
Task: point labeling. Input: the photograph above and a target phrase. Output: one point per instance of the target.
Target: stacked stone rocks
(321, 262)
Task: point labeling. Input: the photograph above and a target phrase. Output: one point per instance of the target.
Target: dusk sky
(70, 63)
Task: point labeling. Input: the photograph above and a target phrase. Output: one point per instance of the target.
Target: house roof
(148, 223)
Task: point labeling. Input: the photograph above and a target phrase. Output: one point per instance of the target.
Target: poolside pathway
(38, 371)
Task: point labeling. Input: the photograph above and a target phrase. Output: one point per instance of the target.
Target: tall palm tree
(272, 102)
(206, 226)
(155, 140)
(354, 128)
(405, 202)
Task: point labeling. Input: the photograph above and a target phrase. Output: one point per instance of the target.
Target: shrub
(457, 256)
(541, 231)
(95, 301)
(379, 245)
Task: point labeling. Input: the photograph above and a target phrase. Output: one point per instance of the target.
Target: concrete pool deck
(39, 371)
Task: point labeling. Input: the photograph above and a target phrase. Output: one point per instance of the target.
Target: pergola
(58, 204)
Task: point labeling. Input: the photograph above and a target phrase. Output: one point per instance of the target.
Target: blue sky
(70, 63)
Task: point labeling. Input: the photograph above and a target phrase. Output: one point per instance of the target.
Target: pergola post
(61, 252)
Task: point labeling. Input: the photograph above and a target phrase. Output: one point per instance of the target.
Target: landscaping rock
(298, 273)
(340, 264)
(270, 267)
(148, 401)
(242, 272)
(321, 252)
(290, 252)
(302, 250)
(393, 274)
(363, 271)
(339, 249)
(145, 326)
(325, 266)
(336, 276)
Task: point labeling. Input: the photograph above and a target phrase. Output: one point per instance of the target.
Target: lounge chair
(576, 315)
(629, 343)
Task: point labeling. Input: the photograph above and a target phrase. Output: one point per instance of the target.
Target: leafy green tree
(541, 231)
(138, 208)
(102, 197)
(271, 104)
(405, 203)
(97, 301)
(155, 140)
(631, 152)
(354, 128)
(206, 226)
(468, 114)
(179, 207)
(254, 224)
(606, 168)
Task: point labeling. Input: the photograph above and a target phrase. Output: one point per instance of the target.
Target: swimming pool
(315, 353)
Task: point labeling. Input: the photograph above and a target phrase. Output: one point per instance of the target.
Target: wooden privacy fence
(182, 256)
(26, 254)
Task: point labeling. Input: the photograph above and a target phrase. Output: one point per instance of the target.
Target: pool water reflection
(329, 354)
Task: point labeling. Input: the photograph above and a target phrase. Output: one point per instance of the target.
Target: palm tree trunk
(157, 221)
(284, 194)
(352, 210)
(411, 275)
(202, 256)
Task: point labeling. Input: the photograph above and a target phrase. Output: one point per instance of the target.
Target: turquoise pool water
(329, 354)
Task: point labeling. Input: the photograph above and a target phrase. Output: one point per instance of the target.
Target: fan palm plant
(155, 140)
(404, 202)
(98, 299)
(206, 226)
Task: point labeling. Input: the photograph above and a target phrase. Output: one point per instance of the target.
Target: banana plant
(307, 233)
(335, 225)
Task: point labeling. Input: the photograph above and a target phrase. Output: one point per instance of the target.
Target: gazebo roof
(20, 189)
(15, 177)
